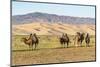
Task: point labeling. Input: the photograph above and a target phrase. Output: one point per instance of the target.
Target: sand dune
(52, 29)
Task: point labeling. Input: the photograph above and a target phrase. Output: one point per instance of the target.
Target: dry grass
(50, 51)
(57, 55)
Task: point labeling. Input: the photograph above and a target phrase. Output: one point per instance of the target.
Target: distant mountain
(50, 18)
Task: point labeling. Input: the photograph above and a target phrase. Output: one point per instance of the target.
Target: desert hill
(52, 28)
(51, 24)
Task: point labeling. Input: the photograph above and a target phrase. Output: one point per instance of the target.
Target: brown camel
(87, 39)
(32, 40)
(78, 39)
(64, 40)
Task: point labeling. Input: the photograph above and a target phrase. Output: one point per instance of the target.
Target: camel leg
(32, 47)
(81, 43)
(35, 46)
(64, 44)
(78, 43)
(29, 46)
(75, 43)
(87, 45)
(67, 44)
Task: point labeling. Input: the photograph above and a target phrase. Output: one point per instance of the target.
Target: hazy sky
(19, 8)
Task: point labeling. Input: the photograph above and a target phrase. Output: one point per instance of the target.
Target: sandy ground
(54, 55)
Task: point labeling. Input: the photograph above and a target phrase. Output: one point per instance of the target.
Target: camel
(32, 40)
(78, 39)
(64, 40)
(87, 39)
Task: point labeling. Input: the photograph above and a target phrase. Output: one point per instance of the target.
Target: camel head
(23, 39)
(78, 33)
